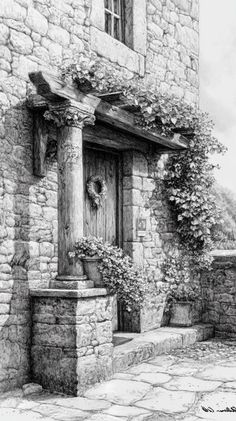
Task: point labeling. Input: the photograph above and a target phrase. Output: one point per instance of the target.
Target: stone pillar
(141, 245)
(70, 117)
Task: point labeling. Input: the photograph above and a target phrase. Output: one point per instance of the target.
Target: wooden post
(40, 144)
(70, 119)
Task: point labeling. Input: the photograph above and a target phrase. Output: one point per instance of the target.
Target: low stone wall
(219, 294)
(71, 339)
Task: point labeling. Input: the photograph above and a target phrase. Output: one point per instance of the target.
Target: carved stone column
(70, 117)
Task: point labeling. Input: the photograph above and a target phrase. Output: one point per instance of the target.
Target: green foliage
(224, 234)
(119, 274)
(189, 180)
(88, 247)
(189, 174)
(154, 110)
(181, 277)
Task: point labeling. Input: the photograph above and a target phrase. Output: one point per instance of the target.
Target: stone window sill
(108, 47)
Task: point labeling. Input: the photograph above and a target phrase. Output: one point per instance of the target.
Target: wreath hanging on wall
(97, 190)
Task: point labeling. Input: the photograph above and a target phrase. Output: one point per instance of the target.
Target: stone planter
(182, 314)
(146, 319)
(91, 270)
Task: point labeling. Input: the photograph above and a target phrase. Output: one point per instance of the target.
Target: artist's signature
(227, 409)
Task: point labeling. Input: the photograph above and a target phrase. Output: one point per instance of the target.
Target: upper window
(115, 19)
(120, 25)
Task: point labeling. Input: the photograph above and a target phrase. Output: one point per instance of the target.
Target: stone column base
(71, 282)
(71, 338)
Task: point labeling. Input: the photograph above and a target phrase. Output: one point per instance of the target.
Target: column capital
(70, 113)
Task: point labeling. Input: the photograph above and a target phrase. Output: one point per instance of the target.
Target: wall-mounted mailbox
(141, 227)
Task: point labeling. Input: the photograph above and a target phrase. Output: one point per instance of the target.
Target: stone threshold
(156, 342)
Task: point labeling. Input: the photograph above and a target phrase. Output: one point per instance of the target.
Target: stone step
(156, 342)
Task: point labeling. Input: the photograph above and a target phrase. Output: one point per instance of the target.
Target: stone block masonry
(43, 35)
(219, 294)
(71, 339)
(28, 241)
(144, 198)
(172, 52)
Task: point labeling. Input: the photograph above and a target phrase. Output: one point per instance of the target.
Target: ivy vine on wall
(189, 174)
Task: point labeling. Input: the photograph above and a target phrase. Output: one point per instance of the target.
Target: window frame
(132, 57)
(121, 17)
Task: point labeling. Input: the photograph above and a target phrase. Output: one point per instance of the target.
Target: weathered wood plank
(125, 121)
(53, 89)
(103, 221)
(40, 145)
(115, 139)
(36, 102)
(110, 96)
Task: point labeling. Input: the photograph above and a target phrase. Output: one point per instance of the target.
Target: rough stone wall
(28, 241)
(170, 61)
(219, 294)
(144, 197)
(172, 50)
(43, 34)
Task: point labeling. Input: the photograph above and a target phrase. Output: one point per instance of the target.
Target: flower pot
(92, 271)
(182, 314)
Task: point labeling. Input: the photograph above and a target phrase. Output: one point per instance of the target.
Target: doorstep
(142, 346)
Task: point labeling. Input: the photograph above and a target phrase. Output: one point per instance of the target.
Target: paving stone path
(190, 384)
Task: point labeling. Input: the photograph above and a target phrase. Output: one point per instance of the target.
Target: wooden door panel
(103, 221)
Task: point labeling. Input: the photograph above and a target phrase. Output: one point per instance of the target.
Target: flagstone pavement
(189, 384)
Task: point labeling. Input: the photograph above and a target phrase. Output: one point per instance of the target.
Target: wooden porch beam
(110, 96)
(125, 121)
(54, 90)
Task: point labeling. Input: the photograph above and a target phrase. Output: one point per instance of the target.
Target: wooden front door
(105, 221)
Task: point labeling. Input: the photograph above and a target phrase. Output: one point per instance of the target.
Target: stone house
(154, 39)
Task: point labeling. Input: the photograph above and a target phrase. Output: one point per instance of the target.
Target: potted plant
(182, 309)
(184, 290)
(89, 250)
(109, 267)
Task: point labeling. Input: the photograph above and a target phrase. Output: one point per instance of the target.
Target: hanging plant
(97, 190)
